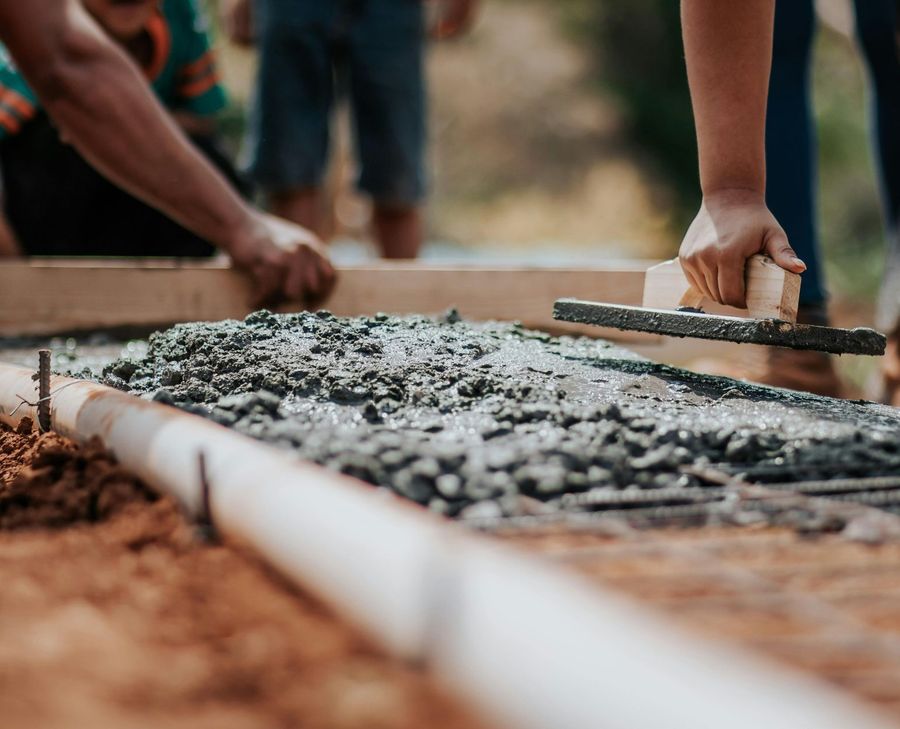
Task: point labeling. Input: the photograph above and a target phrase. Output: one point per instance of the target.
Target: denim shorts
(314, 51)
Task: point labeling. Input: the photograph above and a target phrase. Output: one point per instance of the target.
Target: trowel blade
(771, 332)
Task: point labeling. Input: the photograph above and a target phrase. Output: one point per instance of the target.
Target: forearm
(195, 125)
(728, 49)
(103, 106)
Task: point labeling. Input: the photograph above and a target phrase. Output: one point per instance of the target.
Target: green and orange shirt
(182, 71)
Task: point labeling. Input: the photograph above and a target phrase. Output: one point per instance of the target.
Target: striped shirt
(182, 69)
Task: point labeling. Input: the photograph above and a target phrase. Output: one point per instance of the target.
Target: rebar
(205, 527)
(43, 404)
(599, 498)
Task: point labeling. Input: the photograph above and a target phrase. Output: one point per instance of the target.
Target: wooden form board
(46, 296)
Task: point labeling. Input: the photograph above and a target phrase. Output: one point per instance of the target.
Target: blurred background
(562, 131)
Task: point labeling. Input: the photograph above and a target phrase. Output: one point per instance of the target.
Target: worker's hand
(238, 20)
(285, 261)
(455, 18)
(732, 225)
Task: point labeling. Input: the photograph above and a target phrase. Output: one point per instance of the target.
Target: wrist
(734, 196)
(239, 233)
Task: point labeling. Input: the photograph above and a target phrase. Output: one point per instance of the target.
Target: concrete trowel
(673, 307)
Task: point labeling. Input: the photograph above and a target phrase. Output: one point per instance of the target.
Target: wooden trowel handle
(772, 292)
(692, 299)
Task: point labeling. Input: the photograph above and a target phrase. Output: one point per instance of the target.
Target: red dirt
(112, 614)
(61, 484)
(826, 606)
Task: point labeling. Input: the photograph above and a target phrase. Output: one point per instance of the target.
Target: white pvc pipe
(531, 645)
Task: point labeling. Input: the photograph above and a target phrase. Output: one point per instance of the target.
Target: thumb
(780, 250)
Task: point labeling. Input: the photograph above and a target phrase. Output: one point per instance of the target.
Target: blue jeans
(790, 128)
(312, 52)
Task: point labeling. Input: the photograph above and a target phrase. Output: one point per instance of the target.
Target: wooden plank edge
(41, 297)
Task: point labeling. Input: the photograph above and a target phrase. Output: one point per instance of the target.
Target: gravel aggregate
(487, 419)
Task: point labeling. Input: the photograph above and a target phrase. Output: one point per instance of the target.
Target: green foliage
(638, 56)
(849, 219)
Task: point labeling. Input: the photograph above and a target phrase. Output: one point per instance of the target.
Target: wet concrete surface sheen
(469, 418)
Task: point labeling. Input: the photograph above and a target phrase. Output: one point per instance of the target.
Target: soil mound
(47, 481)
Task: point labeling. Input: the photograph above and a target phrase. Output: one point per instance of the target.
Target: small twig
(23, 402)
(36, 403)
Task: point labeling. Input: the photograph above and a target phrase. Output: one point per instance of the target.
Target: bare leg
(301, 206)
(398, 231)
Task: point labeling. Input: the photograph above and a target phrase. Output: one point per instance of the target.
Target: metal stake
(43, 405)
(204, 526)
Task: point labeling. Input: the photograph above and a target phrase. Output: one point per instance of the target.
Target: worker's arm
(195, 125)
(104, 107)
(728, 48)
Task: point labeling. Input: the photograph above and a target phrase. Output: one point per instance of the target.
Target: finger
(694, 278)
(312, 279)
(780, 250)
(693, 282)
(731, 282)
(711, 276)
(329, 275)
(258, 291)
(320, 280)
(268, 280)
(295, 286)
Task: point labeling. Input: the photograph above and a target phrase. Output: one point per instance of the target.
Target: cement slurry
(481, 419)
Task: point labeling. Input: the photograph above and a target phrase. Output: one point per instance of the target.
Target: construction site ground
(115, 613)
(824, 605)
(749, 515)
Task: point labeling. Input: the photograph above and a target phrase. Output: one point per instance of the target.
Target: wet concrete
(490, 419)
(770, 332)
(80, 355)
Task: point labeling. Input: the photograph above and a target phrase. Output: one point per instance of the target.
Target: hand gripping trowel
(673, 307)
